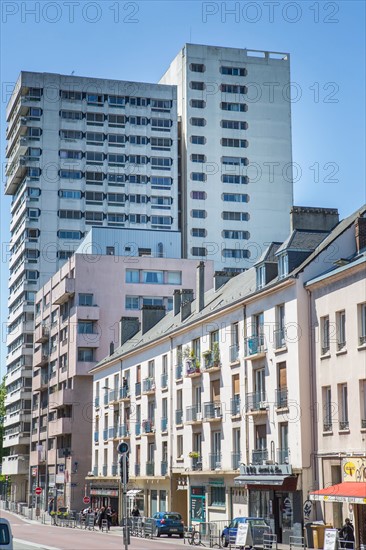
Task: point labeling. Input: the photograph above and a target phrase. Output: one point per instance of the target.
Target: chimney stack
(176, 301)
(200, 287)
(222, 277)
(186, 302)
(360, 233)
(309, 218)
(129, 326)
(151, 315)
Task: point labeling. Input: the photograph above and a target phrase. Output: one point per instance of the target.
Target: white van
(6, 537)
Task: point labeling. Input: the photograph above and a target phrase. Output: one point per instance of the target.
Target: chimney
(176, 301)
(186, 302)
(129, 326)
(111, 348)
(360, 233)
(200, 287)
(313, 219)
(151, 315)
(222, 277)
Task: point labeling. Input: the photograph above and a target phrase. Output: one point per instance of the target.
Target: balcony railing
(113, 395)
(138, 389)
(178, 372)
(104, 469)
(196, 464)
(96, 437)
(363, 423)
(254, 345)
(344, 425)
(164, 467)
(235, 406)
(279, 338)
(327, 426)
(259, 456)
(362, 340)
(137, 429)
(215, 461)
(164, 424)
(105, 434)
(164, 381)
(96, 402)
(193, 414)
(192, 366)
(112, 432)
(106, 399)
(234, 353)
(212, 410)
(123, 430)
(137, 469)
(114, 469)
(148, 385)
(235, 461)
(283, 456)
(282, 398)
(210, 362)
(124, 393)
(148, 427)
(150, 468)
(179, 417)
(95, 471)
(256, 401)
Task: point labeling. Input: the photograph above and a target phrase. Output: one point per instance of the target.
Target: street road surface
(33, 535)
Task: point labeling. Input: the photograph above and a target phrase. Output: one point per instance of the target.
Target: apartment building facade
(236, 155)
(338, 309)
(76, 324)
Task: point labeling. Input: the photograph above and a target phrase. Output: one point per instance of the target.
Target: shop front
(104, 496)
(273, 495)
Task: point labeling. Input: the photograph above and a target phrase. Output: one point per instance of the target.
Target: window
(199, 195)
(138, 199)
(234, 197)
(234, 234)
(74, 155)
(69, 194)
(179, 446)
(155, 277)
(85, 327)
(93, 217)
(195, 121)
(198, 158)
(341, 329)
(234, 161)
(198, 140)
(160, 105)
(93, 197)
(235, 216)
(218, 496)
(138, 140)
(92, 157)
(71, 174)
(64, 254)
(71, 95)
(139, 101)
(137, 159)
(70, 214)
(196, 85)
(67, 234)
(327, 409)
(137, 218)
(233, 89)
(198, 232)
(199, 251)
(118, 198)
(94, 138)
(152, 301)
(280, 331)
(174, 277)
(197, 67)
(234, 107)
(362, 324)
(115, 218)
(161, 220)
(201, 214)
(160, 182)
(234, 124)
(116, 179)
(95, 99)
(138, 120)
(116, 121)
(161, 202)
(116, 101)
(132, 302)
(235, 253)
(132, 276)
(161, 163)
(85, 354)
(233, 71)
(198, 176)
(161, 124)
(282, 266)
(229, 142)
(137, 178)
(69, 134)
(343, 407)
(94, 178)
(85, 299)
(116, 160)
(71, 115)
(96, 119)
(237, 180)
(160, 144)
(198, 103)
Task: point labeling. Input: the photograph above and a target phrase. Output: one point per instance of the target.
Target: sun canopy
(348, 491)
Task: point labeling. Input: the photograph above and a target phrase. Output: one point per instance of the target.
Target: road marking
(36, 545)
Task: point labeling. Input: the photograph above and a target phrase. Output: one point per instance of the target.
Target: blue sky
(137, 40)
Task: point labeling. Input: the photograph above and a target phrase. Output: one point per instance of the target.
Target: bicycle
(193, 537)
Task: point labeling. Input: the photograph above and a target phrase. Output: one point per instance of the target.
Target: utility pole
(123, 450)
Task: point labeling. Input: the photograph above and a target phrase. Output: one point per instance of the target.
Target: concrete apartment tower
(81, 152)
(235, 146)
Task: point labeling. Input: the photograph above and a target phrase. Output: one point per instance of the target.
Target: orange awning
(348, 491)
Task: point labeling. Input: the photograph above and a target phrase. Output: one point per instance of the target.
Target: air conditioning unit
(262, 405)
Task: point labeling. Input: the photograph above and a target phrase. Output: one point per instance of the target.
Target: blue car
(168, 523)
(258, 528)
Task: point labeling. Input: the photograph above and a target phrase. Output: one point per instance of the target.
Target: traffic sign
(86, 500)
(123, 447)
(38, 490)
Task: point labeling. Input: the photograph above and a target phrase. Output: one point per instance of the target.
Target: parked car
(258, 528)
(168, 523)
(6, 537)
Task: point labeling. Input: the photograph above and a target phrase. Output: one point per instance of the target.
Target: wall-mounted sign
(219, 482)
(354, 469)
(267, 469)
(307, 509)
(104, 492)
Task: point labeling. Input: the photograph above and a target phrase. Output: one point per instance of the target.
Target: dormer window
(261, 276)
(282, 266)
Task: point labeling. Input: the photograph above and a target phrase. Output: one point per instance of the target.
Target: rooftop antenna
(72, 73)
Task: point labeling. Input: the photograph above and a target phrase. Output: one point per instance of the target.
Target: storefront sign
(267, 469)
(60, 478)
(104, 492)
(354, 469)
(219, 482)
(331, 539)
(198, 504)
(307, 509)
(34, 471)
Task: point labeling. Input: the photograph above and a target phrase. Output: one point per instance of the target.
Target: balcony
(39, 457)
(113, 432)
(64, 291)
(164, 381)
(235, 461)
(283, 456)
(259, 456)
(179, 417)
(97, 402)
(211, 361)
(92, 313)
(41, 334)
(148, 427)
(60, 398)
(40, 358)
(256, 403)
(63, 452)
(124, 394)
(148, 386)
(105, 434)
(234, 353)
(192, 368)
(215, 461)
(95, 471)
(327, 427)
(96, 437)
(104, 469)
(163, 468)
(88, 339)
(123, 430)
(193, 414)
(255, 347)
(15, 172)
(164, 425)
(282, 398)
(15, 465)
(235, 406)
(150, 468)
(212, 411)
(137, 429)
(179, 372)
(137, 470)
(114, 469)
(138, 389)
(344, 426)
(113, 396)
(60, 426)
(279, 337)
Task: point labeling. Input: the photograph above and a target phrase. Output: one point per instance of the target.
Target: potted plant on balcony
(194, 454)
(216, 354)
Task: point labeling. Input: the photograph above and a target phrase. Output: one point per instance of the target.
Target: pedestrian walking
(50, 505)
(101, 516)
(348, 534)
(135, 512)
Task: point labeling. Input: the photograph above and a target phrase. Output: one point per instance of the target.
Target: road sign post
(86, 500)
(123, 450)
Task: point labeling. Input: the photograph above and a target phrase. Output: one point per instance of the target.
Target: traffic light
(124, 468)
